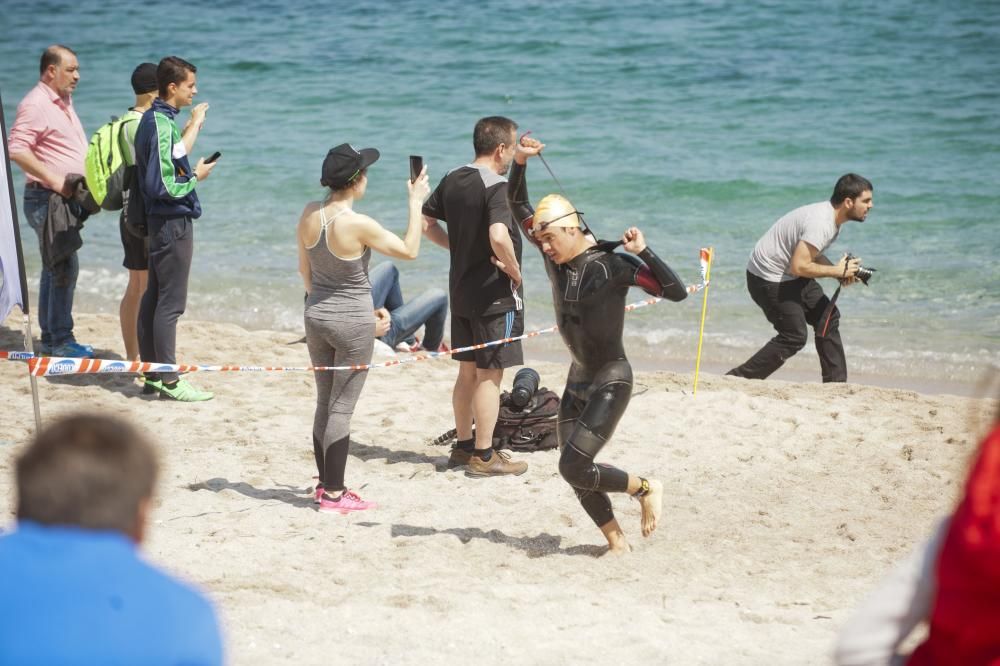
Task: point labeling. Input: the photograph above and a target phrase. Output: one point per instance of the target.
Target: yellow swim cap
(554, 210)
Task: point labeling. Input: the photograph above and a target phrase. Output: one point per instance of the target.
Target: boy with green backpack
(132, 223)
(111, 178)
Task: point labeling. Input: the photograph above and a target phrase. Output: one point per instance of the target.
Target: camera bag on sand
(530, 429)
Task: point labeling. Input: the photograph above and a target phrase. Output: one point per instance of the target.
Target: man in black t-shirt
(485, 284)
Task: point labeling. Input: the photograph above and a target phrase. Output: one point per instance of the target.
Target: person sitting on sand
(335, 245)
(396, 320)
(589, 287)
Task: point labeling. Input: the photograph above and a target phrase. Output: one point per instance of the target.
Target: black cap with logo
(343, 164)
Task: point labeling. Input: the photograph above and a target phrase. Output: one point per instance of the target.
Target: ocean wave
(255, 66)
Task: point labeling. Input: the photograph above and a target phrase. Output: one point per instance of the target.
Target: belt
(35, 185)
(167, 218)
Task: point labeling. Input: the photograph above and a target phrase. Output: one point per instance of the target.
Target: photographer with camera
(781, 279)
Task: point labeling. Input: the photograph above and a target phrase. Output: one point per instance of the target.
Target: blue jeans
(429, 309)
(55, 304)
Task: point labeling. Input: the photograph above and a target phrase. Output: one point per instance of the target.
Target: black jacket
(61, 234)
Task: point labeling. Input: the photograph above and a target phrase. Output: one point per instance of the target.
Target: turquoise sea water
(701, 124)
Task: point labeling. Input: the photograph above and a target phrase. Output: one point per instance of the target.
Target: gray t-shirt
(814, 224)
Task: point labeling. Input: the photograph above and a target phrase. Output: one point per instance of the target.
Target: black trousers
(790, 306)
(171, 246)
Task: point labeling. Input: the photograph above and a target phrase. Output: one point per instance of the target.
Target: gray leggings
(347, 341)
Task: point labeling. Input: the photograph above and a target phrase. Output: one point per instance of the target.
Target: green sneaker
(151, 386)
(184, 392)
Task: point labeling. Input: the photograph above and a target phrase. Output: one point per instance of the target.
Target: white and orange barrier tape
(16, 355)
(49, 366)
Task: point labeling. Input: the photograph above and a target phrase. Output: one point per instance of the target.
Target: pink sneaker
(348, 502)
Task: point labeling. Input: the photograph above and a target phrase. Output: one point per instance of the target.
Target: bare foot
(652, 505)
(617, 545)
(618, 550)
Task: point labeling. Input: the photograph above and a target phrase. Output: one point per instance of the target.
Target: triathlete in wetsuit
(590, 284)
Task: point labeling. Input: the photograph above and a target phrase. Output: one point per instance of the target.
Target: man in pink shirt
(48, 142)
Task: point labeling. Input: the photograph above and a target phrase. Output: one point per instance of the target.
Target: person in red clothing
(951, 582)
(965, 615)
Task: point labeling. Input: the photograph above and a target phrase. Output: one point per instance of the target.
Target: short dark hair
(87, 471)
(849, 186)
(490, 132)
(172, 70)
(53, 56)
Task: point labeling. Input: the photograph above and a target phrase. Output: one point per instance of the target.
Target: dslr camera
(863, 274)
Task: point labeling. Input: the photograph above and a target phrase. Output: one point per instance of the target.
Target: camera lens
(865, 274)
(525, 384)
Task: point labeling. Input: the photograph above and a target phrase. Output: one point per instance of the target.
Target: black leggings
(588, 415)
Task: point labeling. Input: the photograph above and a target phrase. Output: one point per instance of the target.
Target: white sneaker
(382, 350)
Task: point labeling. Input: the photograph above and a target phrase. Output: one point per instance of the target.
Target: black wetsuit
(589, 293)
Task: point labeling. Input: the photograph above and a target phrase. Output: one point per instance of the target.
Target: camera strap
(604, 245)
(829, 310)
(833, 301)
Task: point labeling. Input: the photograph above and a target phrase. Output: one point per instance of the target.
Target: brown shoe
(458, 458)
(499, 464)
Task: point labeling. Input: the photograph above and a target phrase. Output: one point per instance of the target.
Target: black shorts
(136, 249)
(468, 331)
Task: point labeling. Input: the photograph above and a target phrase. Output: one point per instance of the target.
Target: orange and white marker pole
(707, 254)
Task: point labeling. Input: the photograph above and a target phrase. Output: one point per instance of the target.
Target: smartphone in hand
(216, 155)
(416, 166)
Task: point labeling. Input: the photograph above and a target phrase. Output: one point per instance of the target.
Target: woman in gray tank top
(335, 245)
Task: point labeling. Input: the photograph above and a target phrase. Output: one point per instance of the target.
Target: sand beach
(700, 123)
(784, 503)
